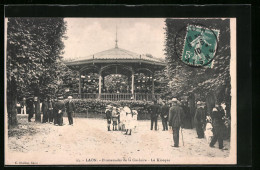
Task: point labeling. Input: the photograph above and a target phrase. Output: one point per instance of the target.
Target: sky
(87, 36)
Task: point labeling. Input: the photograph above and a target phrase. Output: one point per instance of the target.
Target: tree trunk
(191, 101)
(37, 111)
(11, 103)
(210, 102)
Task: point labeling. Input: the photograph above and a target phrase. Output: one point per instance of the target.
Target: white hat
(135, 112)
(214, 109)
(70, 97)
(174, 100)
(127, 109)
(199, 102)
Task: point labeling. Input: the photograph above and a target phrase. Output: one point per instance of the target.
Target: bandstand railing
(116, 96)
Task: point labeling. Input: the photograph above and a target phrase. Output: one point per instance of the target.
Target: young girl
(114, 118)
(208, 129)
(108, 116)
(120, 121)
(135, 113)
(129, 118)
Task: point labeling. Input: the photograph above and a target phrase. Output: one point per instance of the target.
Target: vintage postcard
(120, 91)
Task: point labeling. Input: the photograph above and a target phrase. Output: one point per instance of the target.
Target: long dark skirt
(60, 119)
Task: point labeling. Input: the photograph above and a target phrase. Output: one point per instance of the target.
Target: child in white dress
(129, 119)
(135, 114)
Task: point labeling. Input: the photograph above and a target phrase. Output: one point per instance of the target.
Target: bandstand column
(79, 84)
(99, 85)
(153, 85)
(103, 81)
(133, 84)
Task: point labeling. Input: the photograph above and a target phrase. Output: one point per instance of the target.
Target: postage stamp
(200, 46)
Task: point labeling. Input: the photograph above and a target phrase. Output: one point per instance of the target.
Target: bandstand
(116, 61)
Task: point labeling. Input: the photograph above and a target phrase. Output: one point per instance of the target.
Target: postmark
(199, 46)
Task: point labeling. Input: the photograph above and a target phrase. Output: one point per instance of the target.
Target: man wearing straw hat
(70, 108)
(199, 119)
(218, 127)
(175, 120)
(154, 112)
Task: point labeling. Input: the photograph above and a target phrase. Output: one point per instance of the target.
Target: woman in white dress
(121, 122)
(129, 119)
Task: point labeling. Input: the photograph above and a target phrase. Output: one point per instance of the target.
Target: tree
(162, 84)
(185, 79)
(34, 48)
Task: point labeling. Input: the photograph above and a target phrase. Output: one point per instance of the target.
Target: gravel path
(89, 142)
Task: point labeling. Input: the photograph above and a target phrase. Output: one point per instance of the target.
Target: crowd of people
(174, 115)
(51, 109)
(210, 125)
(122, 118)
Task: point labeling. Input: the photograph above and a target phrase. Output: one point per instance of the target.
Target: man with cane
(175, 121)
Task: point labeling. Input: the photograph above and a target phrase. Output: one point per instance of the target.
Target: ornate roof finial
(116, 38)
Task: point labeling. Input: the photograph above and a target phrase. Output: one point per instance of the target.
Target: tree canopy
(34, 49)
(185, 79)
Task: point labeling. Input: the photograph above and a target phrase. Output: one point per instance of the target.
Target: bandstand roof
(116, 55)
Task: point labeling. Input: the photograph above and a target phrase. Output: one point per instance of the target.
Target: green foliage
(162, 84)
(33, 67)
(99, 106)
(185, 79)
(34, 48)
(116, 82)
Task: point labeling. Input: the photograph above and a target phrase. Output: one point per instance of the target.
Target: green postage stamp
(200, 46)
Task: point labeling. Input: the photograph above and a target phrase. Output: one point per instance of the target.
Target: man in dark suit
(218, 126)
(30, 109)
(108, 116)
(154, 112)
(164, 115)
(70, 108)
(187, 116)
(45, 111)
(50, 107)
(200, 119)
(175, 120)
(37, 109)
(60, 108)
